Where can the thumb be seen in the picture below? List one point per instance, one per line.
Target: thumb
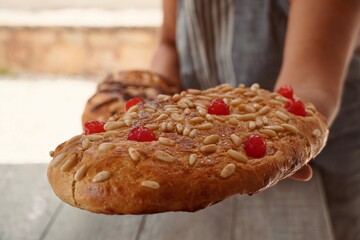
(303, 174)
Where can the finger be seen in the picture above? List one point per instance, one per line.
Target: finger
(303, 174)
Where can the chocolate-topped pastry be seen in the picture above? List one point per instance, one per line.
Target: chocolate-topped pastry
(113, 92)
(187, 151)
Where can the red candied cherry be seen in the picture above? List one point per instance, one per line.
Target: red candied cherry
(133, 102)
(296, 107)
(94, 126)
(255, 146)
(141, 134)
(218, 107)
(286, 91)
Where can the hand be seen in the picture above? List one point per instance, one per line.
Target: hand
(304, 174)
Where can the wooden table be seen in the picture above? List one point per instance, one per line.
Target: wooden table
(290, 210)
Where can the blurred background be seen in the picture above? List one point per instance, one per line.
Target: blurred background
(51, 55)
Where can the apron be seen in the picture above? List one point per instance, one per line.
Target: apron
(242, 41)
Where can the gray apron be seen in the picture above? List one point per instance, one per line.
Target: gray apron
(242, 41)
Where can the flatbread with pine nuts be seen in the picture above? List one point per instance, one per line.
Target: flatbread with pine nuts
(187, 151)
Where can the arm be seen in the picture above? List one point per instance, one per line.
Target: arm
(320, 39)
(165, 60)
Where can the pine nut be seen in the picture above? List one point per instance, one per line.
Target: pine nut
(177, 117)
(187, 111)
(170, 126)
(182, 104)
(69, 163)
(309, 113)
(162, 117)
(73, 139)
(250, 94)
(196, 120)
(179, 128)
(264, 110)
(254, 87)
(235, 139)
(128, 122)
(134, 154)
(246, 117)
(166, 141)
(228, 170)
(163, 156)
(172, 110)
(256, 106)
(249, 109)
(163, 97)
(202, 112)
(80, 173)
(221, 119)
(114, 125)
(106, 146)
(192, 159)
(58, 159)
(205, 126)
(51, 153)
(170, 106)
(107, 134)
(281, 99)
(101, 176)
(238, 156)
(152, 126)
(193, 133)
(149, 110)
(316, 133)
(257, 99)
(211, 139)
(186, 131)
(290, 128)
(134, 108)
(94, 137)
(281, 116)
(275, 102)
(148, 105)
(150, 184)
(233, 121)
(259, 123)
(265, 120)
(163, 126)
(209, 117)
(268, 132)
(235, 102)
(204, 98)
(176, 97)
(252, 125)
(211, 148)
(275, 128)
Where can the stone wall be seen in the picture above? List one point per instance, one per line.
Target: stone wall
(75, 51)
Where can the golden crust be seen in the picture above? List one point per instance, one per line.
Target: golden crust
(150, 185)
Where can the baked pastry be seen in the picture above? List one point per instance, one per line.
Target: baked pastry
(187, 151)
(113, 92)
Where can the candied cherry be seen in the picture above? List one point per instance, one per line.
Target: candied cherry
(141, 134)
(296, 107)
(286, 91)
(255, 146)
(94, 126)
(218, 107)
(133, 102)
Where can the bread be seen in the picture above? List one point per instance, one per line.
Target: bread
(198, 158)
(113, 92)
